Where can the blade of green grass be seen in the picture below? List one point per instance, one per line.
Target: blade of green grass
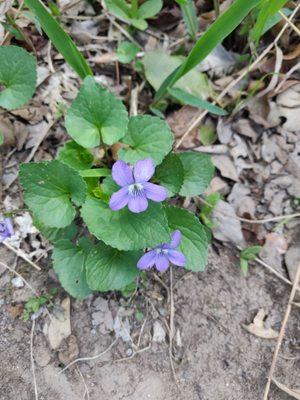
(190, 17)
(268, 9)
(61, 40)
(214, 35)
(194, 101)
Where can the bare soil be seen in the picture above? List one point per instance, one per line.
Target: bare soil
(217, 359)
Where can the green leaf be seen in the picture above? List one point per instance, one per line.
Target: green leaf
(109, 186)
(150, 8)
(111, 269)
(190, 99)
(56, 234)
(17, 76)
(250, 253)
(207, 209)
(188, 10)
(207, 134)
(146, 136)
(75, 156)
(120, 9)
(198, 172)
(49, 188)
(214, 35)
(123, 229)
(95, 115)
(268, 9)
(126, 52)
(95, 173)
(1, 138)
(60, 38)
(158, 65)
(170, 173)
(274, 19)
(194, 243)
(69, 264)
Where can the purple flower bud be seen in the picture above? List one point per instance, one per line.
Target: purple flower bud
(164, 254)
(6, 229)
(135, 186)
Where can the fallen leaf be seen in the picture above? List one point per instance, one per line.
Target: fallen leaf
(227, 226)
(224, 164)
(258, 329)
(71, 352)
(60, 325)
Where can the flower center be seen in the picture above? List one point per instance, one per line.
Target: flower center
(162, 251)
(135, 189)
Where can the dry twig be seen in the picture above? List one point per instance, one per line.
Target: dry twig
(22, 255)
(281, 333)
(32, 361)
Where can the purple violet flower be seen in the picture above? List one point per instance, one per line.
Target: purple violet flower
(135, 188)
(6, 229)
(164, 254)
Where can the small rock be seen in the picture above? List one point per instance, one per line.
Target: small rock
(17, 282)
(159, 334)
(122, 328)
(129, 352)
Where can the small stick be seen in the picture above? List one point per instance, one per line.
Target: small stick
(20, 276)
(281, 333)
(32, 361)
(86, 390)
(89, 358)
(292, 25)
(21, 254)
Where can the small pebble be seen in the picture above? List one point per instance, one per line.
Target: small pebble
(17, 282)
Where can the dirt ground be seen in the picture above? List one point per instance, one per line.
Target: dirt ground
(215, 357)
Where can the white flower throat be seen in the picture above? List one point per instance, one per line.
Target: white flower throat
(135, 189)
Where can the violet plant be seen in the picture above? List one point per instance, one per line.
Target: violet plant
(109, 219)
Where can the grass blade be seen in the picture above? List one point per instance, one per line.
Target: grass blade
(190, 17)
(268, 9)
(61, 40)
(194, 101)
(215, 34)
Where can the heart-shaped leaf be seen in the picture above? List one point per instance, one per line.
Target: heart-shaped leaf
(170, 173)
(195, 237)
(198, 172)
(146, 136)
(111, 269)
(69, 264)
(17, 76)
(96, 115)
(75, 156)
(49, 188)
(123, 229)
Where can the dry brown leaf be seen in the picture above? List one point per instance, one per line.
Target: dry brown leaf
(224, 164)
(258, 329)
(60, 326)
(292, 392)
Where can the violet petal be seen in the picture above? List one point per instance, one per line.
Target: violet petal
(147, 260)
(119, 199)
(176, 239)
(138, 203)
(176, 258)
(9, 226)
(154, 192)
(143, 170)
(162, 262)
(122, 173)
